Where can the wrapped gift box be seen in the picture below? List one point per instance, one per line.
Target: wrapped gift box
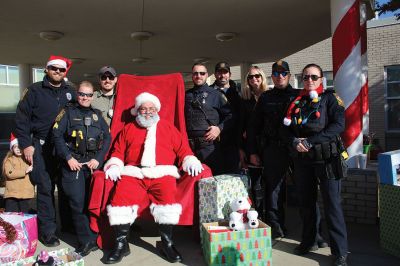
(26, 237)
(389, 211)
(216, 193)
(251, 247)
(63, 256)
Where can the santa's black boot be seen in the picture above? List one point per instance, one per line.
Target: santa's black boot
(121, 248)
(167, 247)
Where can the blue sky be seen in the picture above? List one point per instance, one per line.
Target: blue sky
(387, 14)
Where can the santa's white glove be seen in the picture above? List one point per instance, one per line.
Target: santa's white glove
(114, 173)
(192, 165)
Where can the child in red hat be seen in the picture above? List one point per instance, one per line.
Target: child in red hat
(19, 189)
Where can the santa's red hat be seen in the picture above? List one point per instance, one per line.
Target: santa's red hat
(56, 60)
(145, 97)
(13, 140)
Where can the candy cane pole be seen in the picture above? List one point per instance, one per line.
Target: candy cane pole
(364, 68)
(346, 51)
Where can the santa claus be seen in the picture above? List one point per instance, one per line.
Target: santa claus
(142, 163)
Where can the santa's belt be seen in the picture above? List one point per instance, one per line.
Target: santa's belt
(157, 171)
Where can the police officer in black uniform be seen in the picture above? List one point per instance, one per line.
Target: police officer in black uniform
(207, 114)
(267, 122)
(229, 138)
(35, 114)
(82, 138)
(316, 118)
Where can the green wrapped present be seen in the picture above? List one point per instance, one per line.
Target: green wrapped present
(63, 256)
(389, 211)
(223, 247)
(216, 193)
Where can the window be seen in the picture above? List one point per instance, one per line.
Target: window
(392, 85)
(9, 88)
(298, 80)
(9, 75)
(37, 74)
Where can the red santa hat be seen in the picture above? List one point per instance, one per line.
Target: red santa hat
(56, 60)
(13, 140)
(145, 97)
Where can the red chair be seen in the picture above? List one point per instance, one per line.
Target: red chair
(171, 92)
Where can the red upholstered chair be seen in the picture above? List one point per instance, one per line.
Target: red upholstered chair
(171, 92)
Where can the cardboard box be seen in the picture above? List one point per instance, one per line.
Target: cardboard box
(251, 247)
(216, 193)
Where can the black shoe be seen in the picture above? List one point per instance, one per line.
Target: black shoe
(322, 243)
(277, 232)
(340, 261)
(121, 248)
(49, 241)
(304, 249)
(167, 248)
(85, 249)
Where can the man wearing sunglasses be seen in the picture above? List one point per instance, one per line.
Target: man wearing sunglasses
(267, 121)
(81, 137)
(207, 114)
(229, 138)
(35, 114)
(104, 98)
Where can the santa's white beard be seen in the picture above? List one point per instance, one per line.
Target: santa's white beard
(146, 123)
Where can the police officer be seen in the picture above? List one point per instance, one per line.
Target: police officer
(81, 137)
(316, 118)
(207, 114)
(267, 122)
(35, 115)
(104, 98)
(229, 138)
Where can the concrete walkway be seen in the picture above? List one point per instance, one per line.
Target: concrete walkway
(363, 243)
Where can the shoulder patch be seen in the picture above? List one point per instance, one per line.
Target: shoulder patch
(24, 93)
(60, 115)
(339, 100)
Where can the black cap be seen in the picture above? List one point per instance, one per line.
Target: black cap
(222, 65)
(108, 69)
(280, 64)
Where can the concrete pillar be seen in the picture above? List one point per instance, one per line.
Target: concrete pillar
(25, 76)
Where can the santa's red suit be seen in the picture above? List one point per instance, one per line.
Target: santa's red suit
(147, 158)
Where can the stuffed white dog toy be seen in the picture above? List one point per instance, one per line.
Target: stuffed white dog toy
(241, 210)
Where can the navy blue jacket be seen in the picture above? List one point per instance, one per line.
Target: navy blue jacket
(38, 109)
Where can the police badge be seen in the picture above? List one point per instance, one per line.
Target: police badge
(69, 96)
(95, 117)
(204, 96)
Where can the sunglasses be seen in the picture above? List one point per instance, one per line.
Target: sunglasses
(277, 73)
(144, 110)
(199, 73)
(53, 68)
(104, 77)
(82, 94)
(313, 77)
(257, 76)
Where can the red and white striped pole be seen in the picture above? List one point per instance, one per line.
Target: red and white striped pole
(364, 68)
(346, 52)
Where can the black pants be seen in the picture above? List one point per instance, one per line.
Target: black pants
(230, 158)
(76, 189)
(17, 205)
(307, 186)
(43, 175)
(276, 164)
(210, 154)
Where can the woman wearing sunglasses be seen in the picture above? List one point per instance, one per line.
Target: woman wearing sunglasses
(315, 119)
(255, 85)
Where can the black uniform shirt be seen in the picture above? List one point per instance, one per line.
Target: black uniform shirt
(215, 106)
(267, 118)
(38, 108)
(72, 118)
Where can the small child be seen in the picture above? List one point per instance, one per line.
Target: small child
(19, 189)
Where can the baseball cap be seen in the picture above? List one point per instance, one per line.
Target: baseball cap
(280, 64)
(106, 69)
(222, 65)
